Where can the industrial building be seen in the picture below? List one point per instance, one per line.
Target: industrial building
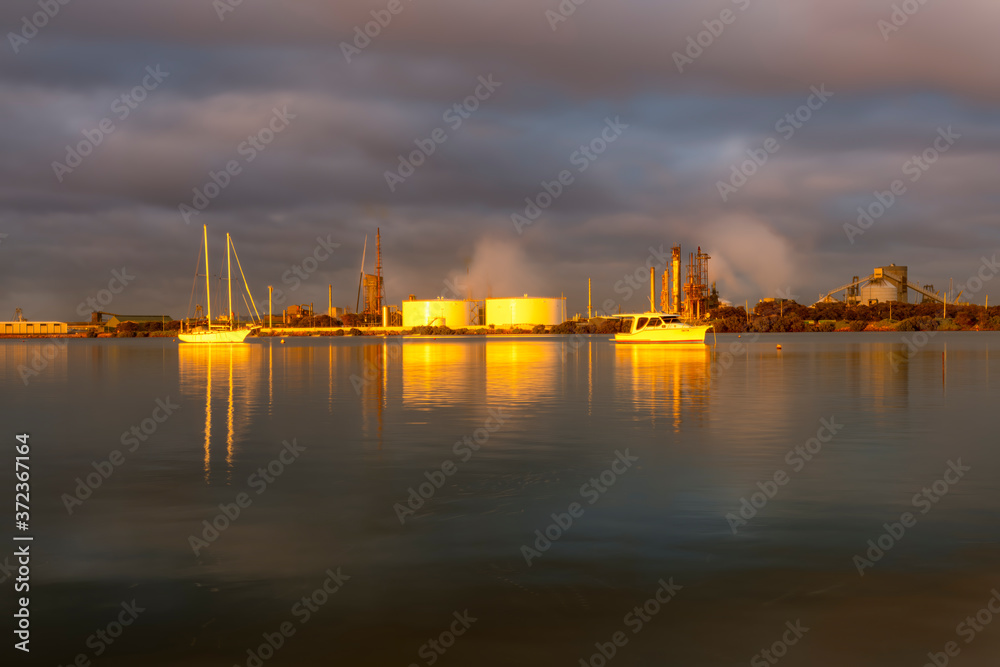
(25, 328)
(20, 326)
(525, 311)
(885, 284)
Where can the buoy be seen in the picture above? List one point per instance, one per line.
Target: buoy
(282, 340)
(779, 346)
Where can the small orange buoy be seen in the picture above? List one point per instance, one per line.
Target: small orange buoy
(779, 346)
(282, 340)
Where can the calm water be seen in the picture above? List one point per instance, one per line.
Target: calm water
(374, 419)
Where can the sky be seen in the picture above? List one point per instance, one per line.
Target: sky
(501, 148)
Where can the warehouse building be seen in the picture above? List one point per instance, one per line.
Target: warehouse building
(24, 328)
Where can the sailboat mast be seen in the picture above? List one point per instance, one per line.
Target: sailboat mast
(229, 281)
(208, 282)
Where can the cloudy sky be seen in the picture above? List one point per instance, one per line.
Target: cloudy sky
(752, 128)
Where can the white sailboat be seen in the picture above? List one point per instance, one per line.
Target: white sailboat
(226, 332)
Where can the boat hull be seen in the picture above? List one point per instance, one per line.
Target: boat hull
(694, 335)
(233, 336)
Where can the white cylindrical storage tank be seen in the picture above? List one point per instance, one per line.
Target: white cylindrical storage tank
(525, 311)
(436, 313)
(881, 291)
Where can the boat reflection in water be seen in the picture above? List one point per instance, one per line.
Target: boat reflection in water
(657, 380)
(220, 373)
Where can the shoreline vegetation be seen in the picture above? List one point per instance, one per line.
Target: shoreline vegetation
(766, 317)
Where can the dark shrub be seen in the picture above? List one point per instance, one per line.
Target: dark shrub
(857, 325)
(565, 328)
(610, 326)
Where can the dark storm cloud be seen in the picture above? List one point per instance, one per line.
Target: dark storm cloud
(654, 185)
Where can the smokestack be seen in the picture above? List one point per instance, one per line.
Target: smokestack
(329, 307)
(676, 257)
(652, 289)
(589, 314)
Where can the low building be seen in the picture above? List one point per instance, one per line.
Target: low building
(25, 328)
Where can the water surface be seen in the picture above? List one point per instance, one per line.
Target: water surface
(375, 418)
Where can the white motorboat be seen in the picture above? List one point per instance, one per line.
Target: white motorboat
(227, 330)
(653, 327)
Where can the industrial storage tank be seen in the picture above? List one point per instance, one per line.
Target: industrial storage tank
(450, 313)
(525, 311)
(878, 291)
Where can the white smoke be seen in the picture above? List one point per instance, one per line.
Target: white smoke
(749, 259)
(499, 269)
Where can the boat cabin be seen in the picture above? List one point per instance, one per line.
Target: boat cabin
(653, 321)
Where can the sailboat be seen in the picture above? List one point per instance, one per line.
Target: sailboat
(219, 333)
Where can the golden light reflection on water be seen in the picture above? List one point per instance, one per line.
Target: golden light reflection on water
(664, 380)
(519, 372)
(440, 373)
(33, 359)
(226, 369)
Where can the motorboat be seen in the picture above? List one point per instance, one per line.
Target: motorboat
(653, 327)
